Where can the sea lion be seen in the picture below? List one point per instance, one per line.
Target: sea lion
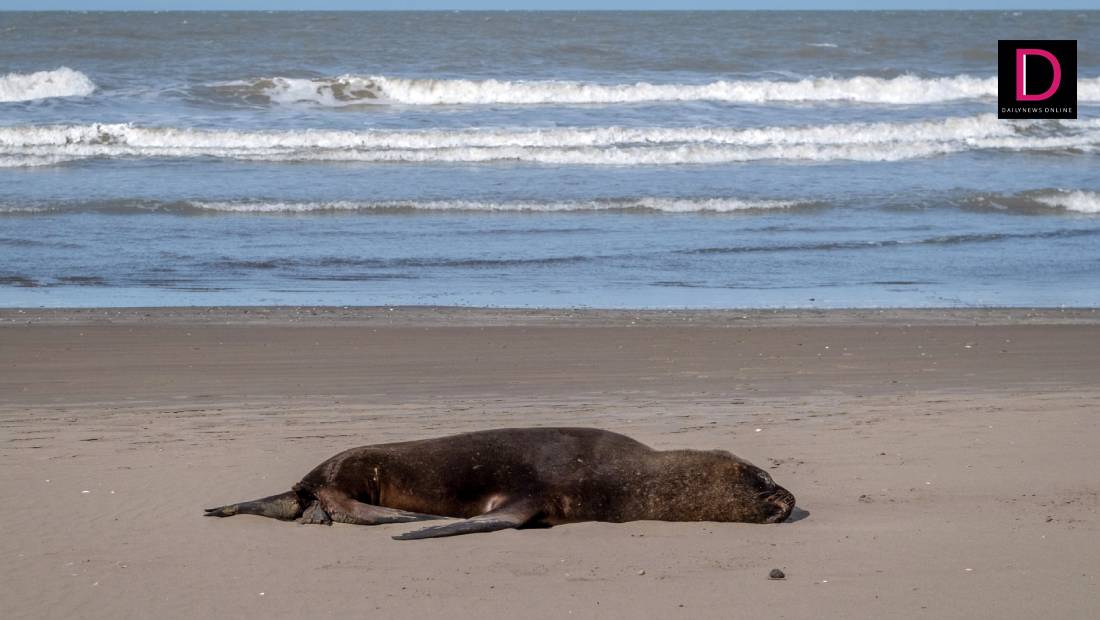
(525, 477)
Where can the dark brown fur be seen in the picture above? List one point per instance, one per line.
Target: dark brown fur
(525, 477)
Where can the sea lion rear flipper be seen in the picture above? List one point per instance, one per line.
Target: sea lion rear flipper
(284, 506)
(507, 516)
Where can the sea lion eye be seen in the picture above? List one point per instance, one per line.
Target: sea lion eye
(765, 478)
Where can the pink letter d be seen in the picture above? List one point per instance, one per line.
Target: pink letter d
(1021, 54)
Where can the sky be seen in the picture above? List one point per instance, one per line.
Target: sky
(91, 5)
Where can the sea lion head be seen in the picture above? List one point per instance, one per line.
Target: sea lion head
(761, 499)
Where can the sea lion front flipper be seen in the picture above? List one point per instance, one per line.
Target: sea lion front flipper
(344, 509)
(508, 516)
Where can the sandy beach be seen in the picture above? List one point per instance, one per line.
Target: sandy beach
(944, 461)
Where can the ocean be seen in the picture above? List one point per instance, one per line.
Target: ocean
(531, 159)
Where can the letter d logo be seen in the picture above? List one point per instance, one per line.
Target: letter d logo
(1021, 74)
(1036, 78)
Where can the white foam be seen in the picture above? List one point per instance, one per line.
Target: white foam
(344, 90)
(1080, 201)
(358, 90)
(1069, 200)
(31, 161)
(1088, 91)
(622, 146)
(62, 82)
(667, 205)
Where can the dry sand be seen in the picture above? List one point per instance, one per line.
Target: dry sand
(947, 460)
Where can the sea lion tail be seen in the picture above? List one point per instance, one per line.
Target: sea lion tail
(286, 506)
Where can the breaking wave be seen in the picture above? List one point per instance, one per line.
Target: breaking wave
(1082, 202)
(645, 204)
(347, 90)
(1037, 202)
(61, 82)
(623, 146)
(655, 204)
(1032, 202)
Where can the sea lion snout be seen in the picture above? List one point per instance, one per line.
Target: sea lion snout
(770, 502)
(782, 502)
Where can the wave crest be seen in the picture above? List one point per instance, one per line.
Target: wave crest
(1038, 202)
(1047, 201)
(1079, 201)
(349, 89)
(621, 146)
(638, 204)
(655, 204)
(61, 82)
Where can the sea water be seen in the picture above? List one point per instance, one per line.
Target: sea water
(666, 159)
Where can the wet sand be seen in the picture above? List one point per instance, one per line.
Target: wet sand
(944, 461)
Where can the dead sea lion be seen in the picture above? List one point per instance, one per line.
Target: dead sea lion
(525, 477)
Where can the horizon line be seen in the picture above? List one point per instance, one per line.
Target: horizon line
(650, 10)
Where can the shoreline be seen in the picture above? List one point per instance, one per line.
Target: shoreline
(488, 316)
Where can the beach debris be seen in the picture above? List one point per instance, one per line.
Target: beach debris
(85, 492)
(641, 572)
(776, 574)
